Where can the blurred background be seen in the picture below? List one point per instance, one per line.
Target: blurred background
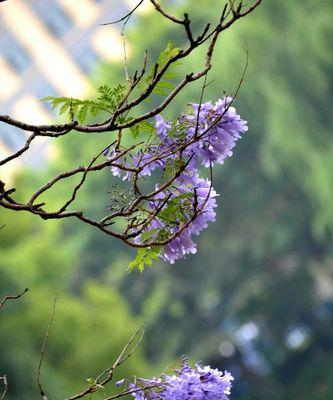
(257, 299)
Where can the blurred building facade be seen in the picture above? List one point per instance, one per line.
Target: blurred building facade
(49, 48)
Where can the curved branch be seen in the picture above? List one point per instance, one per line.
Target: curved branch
(11, 297)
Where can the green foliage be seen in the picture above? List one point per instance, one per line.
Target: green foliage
(120, 197)
(169, 52)
(145, 128)
(93, 383)
(145, 258)
(92, 321)
(166, 84)
(178, 209)
(179, 129)
(172, 166)
(81, 110)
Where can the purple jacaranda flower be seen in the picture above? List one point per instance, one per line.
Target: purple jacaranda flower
(217, 128)
(202, 212)
(121, 382)
(196, 201)
(198, 383)
(206, 136)
(179, 247)
(211, 133)
(144, 161)
(162, 127)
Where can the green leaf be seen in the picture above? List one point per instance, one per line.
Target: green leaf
(82, 114)
(172, 166)
(145, 257)
(165, 85)
(110, 97)
(177, 209)
(166, 54)
(91, 381)
(142, 127)
(78, 109)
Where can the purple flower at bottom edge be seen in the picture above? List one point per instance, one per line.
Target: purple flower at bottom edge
(198, 383)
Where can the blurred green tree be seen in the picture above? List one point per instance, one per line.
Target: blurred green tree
(92, 323)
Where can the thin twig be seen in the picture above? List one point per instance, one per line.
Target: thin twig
(110, 371)
(122, 33)
(126, 16)
(199, 105)
(42, 353)
(131, 391)
(19, 152)
(165, 14)
(79, 185)
(5, 384)
(10, 297)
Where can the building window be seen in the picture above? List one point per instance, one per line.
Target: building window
(12, 137)
(14, 53)
(43, 89)
(54, 17)
(86, 58)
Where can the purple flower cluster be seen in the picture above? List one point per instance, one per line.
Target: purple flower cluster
(196, 211)
(217, 127)
(204, 137)
(211, 132)
(198, 383)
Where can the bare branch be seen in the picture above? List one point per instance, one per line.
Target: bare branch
(19, 152)
(131, 391)
(165, 14)
(126, 16)
(77, 187)
(37, 128)
(75, 171)
(11, 297)
(124, 355)
(42, 353)
(5, 384)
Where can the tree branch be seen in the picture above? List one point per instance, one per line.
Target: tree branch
(11, 297)
(5, 384)
(42, 353)
(124, 355)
